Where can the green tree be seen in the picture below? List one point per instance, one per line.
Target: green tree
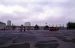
(36, 27)
(70, 25)
(46, 27)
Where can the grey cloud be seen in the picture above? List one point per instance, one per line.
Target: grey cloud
(37, 8)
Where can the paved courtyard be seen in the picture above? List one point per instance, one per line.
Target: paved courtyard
(61, 37)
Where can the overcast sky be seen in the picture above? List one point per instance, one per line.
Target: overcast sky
(37, 11)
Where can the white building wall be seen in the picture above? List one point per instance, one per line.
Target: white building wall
(9, 23)
(27, 24)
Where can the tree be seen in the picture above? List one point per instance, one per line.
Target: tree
(36, 27)
(70, 25)
(46, 27)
